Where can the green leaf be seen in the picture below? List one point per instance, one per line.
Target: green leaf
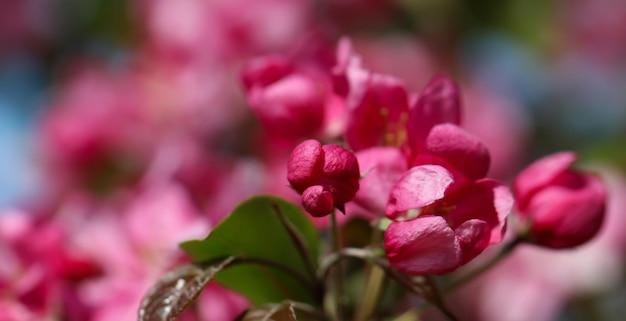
(176, 291)
(254, 229)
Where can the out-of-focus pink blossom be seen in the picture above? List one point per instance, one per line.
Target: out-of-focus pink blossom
(501, 124)
(222, 30)
(563, 207)
(292, 101)
(134, 246)
(404, 57)
(78, 140)
(35, 274)
(595, 28)
(327, 176)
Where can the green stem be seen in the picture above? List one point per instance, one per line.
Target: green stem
(371, 294)
(338, 286)
(373, 287)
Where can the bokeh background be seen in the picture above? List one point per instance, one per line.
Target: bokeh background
(115, 114)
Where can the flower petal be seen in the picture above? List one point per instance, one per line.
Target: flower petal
(487, 200)
(565, 215)
(539, 174)
(305, 161)
(455, 148)
(419, 187)
(317, 201)
(379, 117)
(438, 103)
(426, 245)
(473, 236)
(381, 167)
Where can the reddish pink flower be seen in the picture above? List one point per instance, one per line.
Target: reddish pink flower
(381, 168)
(327, 176)
(290, 102)
(447, 212)
(444, 226)
(379, 115)
(563, 207)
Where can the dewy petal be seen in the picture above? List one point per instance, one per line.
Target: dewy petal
(426, 245)
(474, 237)
(539, 174)
(438, 103)
(458, 148)
(305, 161)
(419, 187)
(381, 168)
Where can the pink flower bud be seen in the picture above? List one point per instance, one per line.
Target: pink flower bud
(326, 176)
(317, 201)
(563, 207)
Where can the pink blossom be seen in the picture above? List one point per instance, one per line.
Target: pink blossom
(327, 176)
(438, 103)
(499, 121)
(379, 115)
(563, 207)
(222, 31)
(35, 276)
(135, 245)
(404, 56)
(460, 222)
(445, 198)
(291, 100)
(545, 279)
(381, 168)
(457, 150)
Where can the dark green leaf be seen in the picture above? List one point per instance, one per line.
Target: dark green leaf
(254, 229)
(176, 291)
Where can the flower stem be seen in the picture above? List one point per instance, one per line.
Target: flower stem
(505, 252)
(338, 286)
(373, 287)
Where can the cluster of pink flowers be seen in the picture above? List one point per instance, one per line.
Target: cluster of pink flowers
(158, 148)
(424, 172)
